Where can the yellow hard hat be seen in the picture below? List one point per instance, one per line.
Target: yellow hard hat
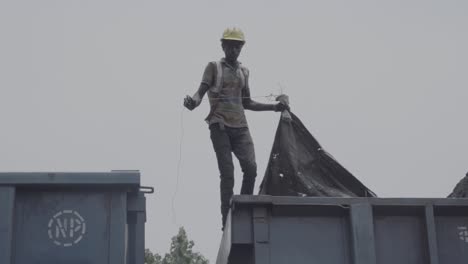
(233, 34)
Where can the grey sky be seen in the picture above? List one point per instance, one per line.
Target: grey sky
(98, 85)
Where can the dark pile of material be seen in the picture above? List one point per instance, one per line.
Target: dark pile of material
(461, 189)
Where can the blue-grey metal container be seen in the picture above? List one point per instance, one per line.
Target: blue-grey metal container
(72, 218)
(294, 230)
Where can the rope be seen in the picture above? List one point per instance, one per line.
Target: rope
(179, 165)
(270, 97)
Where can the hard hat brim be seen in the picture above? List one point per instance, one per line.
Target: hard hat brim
(235, 39)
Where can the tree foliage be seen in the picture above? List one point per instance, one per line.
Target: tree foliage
(181, 252)
(151, 258)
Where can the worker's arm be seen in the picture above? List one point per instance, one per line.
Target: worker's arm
(250, 104)
(194, 101)
(207, 81)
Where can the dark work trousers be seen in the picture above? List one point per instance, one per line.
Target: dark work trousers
(228, 140)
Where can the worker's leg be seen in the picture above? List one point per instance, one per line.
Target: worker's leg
(243, 148)
(222, 147)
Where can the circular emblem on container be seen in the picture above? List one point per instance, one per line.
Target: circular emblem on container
(67, 228)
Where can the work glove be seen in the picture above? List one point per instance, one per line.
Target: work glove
(189, 103)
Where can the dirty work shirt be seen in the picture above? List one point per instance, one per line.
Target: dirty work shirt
(226, 106)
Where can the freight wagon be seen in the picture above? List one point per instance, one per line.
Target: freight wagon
(316, 230)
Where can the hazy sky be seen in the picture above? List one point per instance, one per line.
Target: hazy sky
(95, 85)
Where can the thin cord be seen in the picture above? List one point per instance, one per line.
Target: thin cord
(174, 214)
(280, 87)
(270, 97)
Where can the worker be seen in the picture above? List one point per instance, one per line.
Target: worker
(227, 84)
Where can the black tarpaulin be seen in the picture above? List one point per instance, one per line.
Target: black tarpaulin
(299, 166)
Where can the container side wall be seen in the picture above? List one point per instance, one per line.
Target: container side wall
(136, 219)
(298, 240)
(452, 235)
(401, 239)
(363, 241)
(7, 201)
(118, 220)
(62, 227)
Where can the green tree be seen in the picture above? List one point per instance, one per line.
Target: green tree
(181, 252)
(151, 258)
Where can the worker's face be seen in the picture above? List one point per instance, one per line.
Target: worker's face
(232, 49)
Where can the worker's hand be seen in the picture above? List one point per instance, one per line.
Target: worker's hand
(189, 103)
(280, 107)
